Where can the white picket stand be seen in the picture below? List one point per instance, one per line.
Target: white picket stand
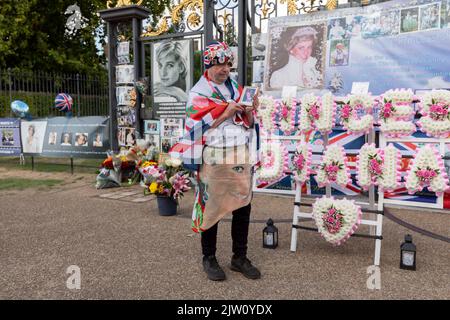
(377, 224)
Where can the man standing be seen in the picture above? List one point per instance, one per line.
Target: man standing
(217, 146)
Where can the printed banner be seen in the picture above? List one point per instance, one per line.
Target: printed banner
(86, 137)
(10, 137)
(330, 50)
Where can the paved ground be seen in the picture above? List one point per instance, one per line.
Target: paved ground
(127, 251)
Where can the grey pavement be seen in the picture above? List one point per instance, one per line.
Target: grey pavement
(125, 250)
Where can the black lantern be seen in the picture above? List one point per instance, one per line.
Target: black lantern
(408, 254)
(270, 235)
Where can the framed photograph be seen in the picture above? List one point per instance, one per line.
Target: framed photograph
(151, 126)
(430, 16)
(124, 74)
(123, 95)
(171, 128)
(258, 71)
(247, 96)
(167, 144)
(121, 136)
(339, 52)
(172, 71)
(295, 48)
(409, 20)
(123, 49)
(154, 140)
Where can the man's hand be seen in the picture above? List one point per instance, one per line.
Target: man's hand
(254, 106)
(231, 109)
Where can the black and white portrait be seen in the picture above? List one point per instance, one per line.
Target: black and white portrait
(171, 71)
(258, 71)
(124, 74)
(296, 57)
(259, 44)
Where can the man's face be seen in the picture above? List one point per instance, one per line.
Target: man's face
(302, 51)
(169, 70)
(219, 72)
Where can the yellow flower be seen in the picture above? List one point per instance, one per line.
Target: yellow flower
(161, 189)
(153, 187)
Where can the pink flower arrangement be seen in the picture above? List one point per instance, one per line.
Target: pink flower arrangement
(426, 175)
(375, 166)
(333, 220)
(314, 112)
(332, 169)
(299, 161)
(438, 111)
(387, 110)
(180, 184)
(346, 112)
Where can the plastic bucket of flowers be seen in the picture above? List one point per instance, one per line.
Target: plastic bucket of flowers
(167, 182)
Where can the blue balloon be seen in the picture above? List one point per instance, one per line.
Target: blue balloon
(20, 108)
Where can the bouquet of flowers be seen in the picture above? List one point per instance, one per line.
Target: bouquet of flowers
(166, 180)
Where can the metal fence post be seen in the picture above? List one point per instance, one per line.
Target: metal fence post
(10, 90)
(78, 94)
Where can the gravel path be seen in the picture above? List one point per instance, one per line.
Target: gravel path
(127, 251)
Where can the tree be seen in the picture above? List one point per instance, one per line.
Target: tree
(32, 35)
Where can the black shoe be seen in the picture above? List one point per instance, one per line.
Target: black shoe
(212, 268)
(243, 265)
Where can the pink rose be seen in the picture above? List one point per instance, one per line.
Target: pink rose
(284, 112)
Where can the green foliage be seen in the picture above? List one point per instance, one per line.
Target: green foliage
(32, 35)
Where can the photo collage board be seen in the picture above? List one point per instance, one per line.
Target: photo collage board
(163, 134)
(330, 50)
(125, 97)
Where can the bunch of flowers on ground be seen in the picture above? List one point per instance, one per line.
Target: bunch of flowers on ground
(167, 179)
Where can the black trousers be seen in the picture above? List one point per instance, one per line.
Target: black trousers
(239, 233)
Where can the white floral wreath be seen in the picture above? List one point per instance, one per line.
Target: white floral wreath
(379, 167)
(317, 113)
(427, 170)
(267, 107)
(333, 167)
(274, 162)
(302, 162)
(286, 117)
(435, 110)
(349, 113)
(336, 220)
(396, 111)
